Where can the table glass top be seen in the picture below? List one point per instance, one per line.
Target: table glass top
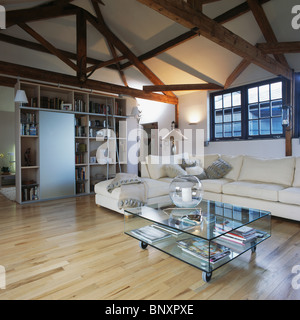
(201, 221)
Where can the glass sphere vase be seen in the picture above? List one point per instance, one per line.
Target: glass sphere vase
(186, 191)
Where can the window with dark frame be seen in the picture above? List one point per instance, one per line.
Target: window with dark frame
(249, 112)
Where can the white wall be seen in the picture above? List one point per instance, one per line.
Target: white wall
(195, 107)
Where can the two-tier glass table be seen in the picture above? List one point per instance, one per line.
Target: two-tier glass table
(206, 237)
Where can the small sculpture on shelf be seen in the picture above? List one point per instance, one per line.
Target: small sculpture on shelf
(27, 157)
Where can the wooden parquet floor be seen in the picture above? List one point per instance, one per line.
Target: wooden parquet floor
(72, 249)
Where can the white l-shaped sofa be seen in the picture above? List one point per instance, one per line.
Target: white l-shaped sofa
(266, 184)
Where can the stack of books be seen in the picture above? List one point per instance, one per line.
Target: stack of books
(241, 236)
(210, 252)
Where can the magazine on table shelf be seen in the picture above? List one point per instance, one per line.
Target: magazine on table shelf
(241, 236)
(212, 252)
(150, 234)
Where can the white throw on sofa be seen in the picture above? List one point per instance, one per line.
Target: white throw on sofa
(265, 184)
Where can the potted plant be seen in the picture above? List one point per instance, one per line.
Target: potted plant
(4, 168)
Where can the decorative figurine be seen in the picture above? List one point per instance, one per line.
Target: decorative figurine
(27, 157)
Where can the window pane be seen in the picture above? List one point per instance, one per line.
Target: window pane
(277, 126)
(264, 110)
(219, 116)
(219, 131)
(265, 127)
(236, 98)
(276, 90)
(253, 111)
(253, 95)
(237, 129)
(227, 100)
(264, 93)
(237, 114)
(277, 109)
(227, 130)
(227, 115)
(218, 102)
(253, 128)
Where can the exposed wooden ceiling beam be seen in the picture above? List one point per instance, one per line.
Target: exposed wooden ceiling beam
(38, 13)
(70, 55)
(103, 64)
(81, 41)
(110, 45)
(182, 13)
(59, 78)
(193, 33)
(269, 35)
(164, 47)
(104, 30)
(236, 12)
(183, 87)
(243, 65)
(196, 4)
(7, 82)
(280, 47)
(48, 45)
(265, 27)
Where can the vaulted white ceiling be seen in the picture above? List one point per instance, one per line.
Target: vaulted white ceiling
(196, 61)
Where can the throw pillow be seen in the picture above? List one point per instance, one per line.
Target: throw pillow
(194, 170)
(174, 170)
(218, 169)
(188, 163)
(202, 176)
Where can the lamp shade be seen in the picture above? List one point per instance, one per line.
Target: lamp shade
(21, 97)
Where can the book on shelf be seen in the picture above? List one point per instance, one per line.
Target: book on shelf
(30, 192)
(118, 109)
(80, 187)
(28, 129)
(79, 105)
(32, 102)
(80, 174)
(150, 234)
(210, 252)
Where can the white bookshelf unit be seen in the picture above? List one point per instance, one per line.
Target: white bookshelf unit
(93, 113)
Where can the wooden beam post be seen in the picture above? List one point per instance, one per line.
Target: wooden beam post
(81, 37)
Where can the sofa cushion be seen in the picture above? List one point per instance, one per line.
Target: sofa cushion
(214, 185)
(297, 173)
(277, 171)
(253, 190)
(290, 196)
(236, 164)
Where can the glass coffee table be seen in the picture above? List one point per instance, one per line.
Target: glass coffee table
(206, 237)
